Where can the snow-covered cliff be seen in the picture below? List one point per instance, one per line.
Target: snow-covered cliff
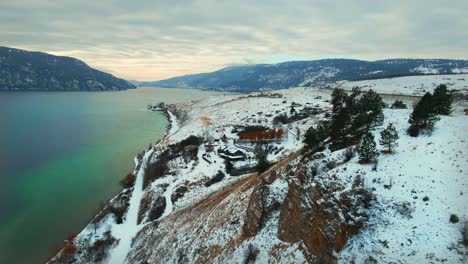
(316, 207)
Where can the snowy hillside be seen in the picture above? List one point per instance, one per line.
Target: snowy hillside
(417, 190)
(323, 73)
(411, 85)
(188, 205)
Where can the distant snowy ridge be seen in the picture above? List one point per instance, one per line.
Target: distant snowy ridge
(319, 73)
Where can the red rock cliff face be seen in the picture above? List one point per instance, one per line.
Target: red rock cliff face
(255, 215)
(259, 205)
(311, 213)
(306, 215)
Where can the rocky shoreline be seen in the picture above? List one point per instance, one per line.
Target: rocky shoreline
(115, 210)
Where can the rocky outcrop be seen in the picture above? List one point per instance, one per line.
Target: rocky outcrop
(152, 206)
(255, 215)
(319, 212)
(157, 210)
(261, 203)
(309, 216)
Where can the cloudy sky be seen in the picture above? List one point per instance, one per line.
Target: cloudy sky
(157, 39)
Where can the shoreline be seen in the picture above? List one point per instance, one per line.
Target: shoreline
(142, 158)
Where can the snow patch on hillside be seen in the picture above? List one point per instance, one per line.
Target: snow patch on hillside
(411, 85)
(322, 75)
(425, 70)
(458, 71)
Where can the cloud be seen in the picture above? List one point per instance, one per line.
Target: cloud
(151, 40)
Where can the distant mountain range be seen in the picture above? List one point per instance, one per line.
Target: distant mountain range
(22, 70)
(309, 73)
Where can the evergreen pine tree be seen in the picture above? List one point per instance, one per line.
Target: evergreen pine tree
(262, 161)
(442, 100)
(340, 129)
(229, 166)
(423, 115)
(315, 135)
(339, 98)
(341, 119)
(388, 137)
(367, 150)
(370, 110)
(262, 164)
(352, 100)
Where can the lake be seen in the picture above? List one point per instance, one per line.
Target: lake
(62, 154)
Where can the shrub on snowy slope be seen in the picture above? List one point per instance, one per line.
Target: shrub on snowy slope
(217, 178)
(398, 104)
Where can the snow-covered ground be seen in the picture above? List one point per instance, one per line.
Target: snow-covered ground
(427, 180)
(416, 189)
(218, 115)
(433, 166)
(411, 85)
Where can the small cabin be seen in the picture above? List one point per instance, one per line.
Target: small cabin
(232, 155)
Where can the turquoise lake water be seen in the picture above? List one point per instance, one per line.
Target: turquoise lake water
(62, 154)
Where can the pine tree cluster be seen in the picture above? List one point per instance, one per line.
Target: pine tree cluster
(353, 115)
(316, 135)
(424, 115)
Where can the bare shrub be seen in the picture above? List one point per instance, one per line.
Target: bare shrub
(454, 218)
(398, 104)
(100, 247)
(358, 182)
(367, 197)
(405, 209)
(413, 131)
(280, 119)
(70, 247)
(331, 164)
(128, 181)
(181, 115)
(349, 153)
(251, 254)
(464, 232)
(118, 212)
(314, 171)
(217, 178)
